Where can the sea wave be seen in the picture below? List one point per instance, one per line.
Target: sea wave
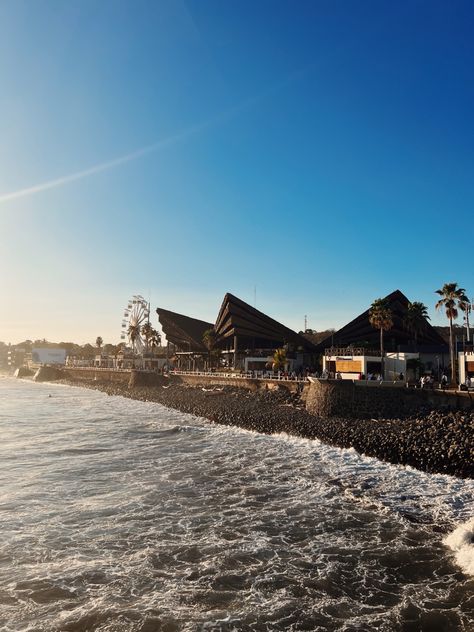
(461, 541)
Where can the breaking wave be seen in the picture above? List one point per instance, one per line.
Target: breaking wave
(461, 541)
(123, 515)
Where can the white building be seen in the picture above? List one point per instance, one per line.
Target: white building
(352, 363)
(465, 365)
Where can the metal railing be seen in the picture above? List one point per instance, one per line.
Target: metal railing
(351, 351)
(253, 375)
(97, 368)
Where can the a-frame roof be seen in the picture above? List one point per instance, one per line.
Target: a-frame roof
(360, 331)
(237, 318)
(183, 331)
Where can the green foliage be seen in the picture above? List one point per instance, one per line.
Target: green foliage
(380, 315)
(279, 359)
(416, 318)
(452, 299)
(209, 339)
(151, 335)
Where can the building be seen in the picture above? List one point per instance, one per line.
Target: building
(355, 348)
(185, 335)
(465, 365)
(248, 338)
(245, 338)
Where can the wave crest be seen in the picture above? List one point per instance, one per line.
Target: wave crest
(461, 541)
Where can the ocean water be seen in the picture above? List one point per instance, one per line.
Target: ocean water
(117, 515)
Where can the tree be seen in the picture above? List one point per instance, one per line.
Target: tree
(133, 333)
(155, 339)
(452, 299)
(147, 332)
(99, 342)
(209, 339)
(380, 317)
(279, 359)
(415, 319)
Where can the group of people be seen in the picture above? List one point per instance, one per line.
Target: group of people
(427, 381)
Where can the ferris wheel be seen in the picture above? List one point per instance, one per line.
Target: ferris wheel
(135, 315)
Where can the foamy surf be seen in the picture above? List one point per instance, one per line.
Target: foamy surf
(461, 541)
(125, 515)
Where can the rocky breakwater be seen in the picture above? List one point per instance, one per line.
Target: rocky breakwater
(47, 374)
(433, 441)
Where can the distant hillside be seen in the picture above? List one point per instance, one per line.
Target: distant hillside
(316, 336)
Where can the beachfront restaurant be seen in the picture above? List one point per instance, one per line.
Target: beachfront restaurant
(354, 349)
(248, 338)
(245, 339)
(185, 340)
(354, 363)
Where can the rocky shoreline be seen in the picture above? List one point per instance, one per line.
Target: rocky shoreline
(432, 441)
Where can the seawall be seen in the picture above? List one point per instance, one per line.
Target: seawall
(361, 400)
(134, 378)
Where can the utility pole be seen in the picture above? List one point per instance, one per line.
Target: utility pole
(467, 310)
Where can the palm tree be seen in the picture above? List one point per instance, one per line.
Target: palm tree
(147, 332)
(133, 333)
(209, 339)
(415, 319)
(380, 317)
(452, 299)
(279, 359)
(155, 339)
(99, 342)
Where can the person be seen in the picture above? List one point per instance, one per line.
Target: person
(400, 377)
(444, 381)
(369, 376)
(338, 376)
(468, 382)
(422, 381)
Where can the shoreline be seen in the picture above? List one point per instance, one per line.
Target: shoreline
(431, 441)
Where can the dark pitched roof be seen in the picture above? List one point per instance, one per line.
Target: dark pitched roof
(360, 330)
(237, 318)
(183, 331)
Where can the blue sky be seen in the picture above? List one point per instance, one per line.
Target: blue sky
(320, 151)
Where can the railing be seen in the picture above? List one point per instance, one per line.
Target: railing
(351, 351)
(242, 376)
(97, 368)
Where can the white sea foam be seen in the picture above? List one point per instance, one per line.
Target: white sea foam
(124, 515)
(461, 541)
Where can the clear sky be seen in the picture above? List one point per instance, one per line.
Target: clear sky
(321, 151)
